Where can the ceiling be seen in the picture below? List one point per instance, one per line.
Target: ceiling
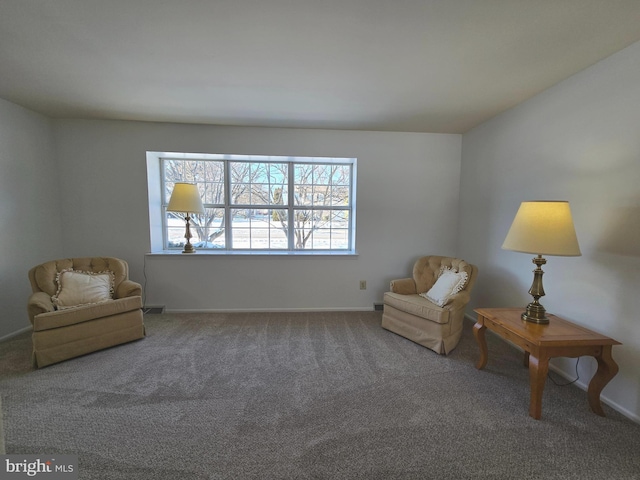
(441, 66)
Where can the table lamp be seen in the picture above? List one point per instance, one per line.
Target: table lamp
(185, 198)
(542, 228)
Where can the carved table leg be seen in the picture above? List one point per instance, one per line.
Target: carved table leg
(538, 369)
(607, 369)
(478, 331)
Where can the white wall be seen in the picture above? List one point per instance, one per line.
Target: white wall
(408, 191)
(578, 141)
(29, 208)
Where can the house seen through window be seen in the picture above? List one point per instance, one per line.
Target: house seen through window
(263, 202)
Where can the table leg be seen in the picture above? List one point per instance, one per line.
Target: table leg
(607, 369)
(478, 331)
(538, 369)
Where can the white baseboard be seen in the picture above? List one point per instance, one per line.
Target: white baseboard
(15, 334)
(271, 310)
(603, 398)
(617, 407)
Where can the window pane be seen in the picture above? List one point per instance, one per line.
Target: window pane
(175, 237)
(278, 173)
(168, 188)
(259, 229)
(302, 188)
(173, 170)
(278, 228)
(341, 175)
(322, 219)
(260, 194)
(241, 194)
(322, 239)
(240, 172)
(303, 174)
(340, 196)
(193, 171)
(279, 195)
(321, 195)
(322, 229)
(213, 193)
(322, 174)
(214, 186)
(340, 229)
(340, 219)
(259, 172)
(303, 194)
(259, 237)
(209, 229)
(240, 229)
(340, 239)
(303, 228)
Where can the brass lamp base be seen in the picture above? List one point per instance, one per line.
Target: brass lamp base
(535, 313)
(188, 248)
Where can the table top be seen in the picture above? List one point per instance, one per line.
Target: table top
(557, 332)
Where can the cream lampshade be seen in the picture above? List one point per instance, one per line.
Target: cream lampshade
(185, 198)
(542, 228)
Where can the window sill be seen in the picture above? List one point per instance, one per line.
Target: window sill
(253, 253)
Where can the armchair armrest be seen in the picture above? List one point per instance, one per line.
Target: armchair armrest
(38, 303)
(128, 288)
(403, 286)
(458, 301)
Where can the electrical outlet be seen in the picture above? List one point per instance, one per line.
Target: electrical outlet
(363, 284)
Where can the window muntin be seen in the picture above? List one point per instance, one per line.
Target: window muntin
(251, 202)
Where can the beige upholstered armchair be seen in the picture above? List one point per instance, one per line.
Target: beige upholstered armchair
(80, 305)
(429, 307)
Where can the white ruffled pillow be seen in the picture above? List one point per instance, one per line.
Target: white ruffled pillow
(449, 283)
(76, 287)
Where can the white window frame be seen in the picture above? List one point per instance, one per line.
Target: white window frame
(158, 200)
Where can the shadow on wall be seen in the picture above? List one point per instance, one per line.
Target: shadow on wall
(618, 251)
(627, 358)
(500, 288)
(621, 232)
(618, 254)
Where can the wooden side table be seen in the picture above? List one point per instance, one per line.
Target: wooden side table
(540, 342)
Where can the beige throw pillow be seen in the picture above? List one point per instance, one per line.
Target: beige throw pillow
(449, 283)
(76, 288)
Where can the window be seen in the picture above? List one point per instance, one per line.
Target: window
(262, 203)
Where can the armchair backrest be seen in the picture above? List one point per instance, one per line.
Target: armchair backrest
(427, 269)
(43, 277)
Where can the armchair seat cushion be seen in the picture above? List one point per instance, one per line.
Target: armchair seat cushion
(84, 313)
(418, 306)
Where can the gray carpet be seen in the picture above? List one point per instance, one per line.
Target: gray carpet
(303, 396)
